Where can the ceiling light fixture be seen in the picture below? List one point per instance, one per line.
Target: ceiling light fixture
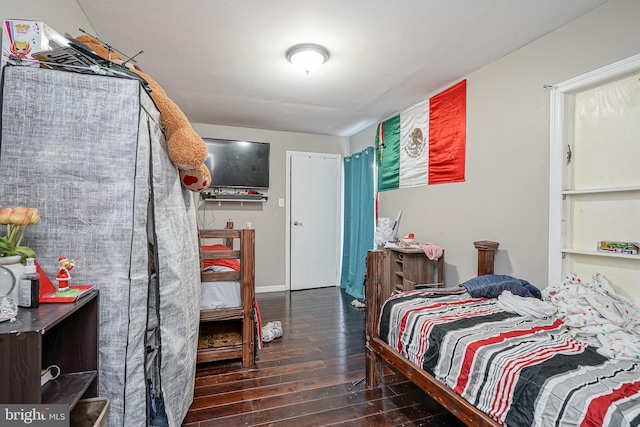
(307, 56)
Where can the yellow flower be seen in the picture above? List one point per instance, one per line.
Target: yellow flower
(17, 220)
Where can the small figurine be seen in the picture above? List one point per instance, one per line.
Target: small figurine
(21, 49)
(63, 275)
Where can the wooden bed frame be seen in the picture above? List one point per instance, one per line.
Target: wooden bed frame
(377, 290)
(232, 331)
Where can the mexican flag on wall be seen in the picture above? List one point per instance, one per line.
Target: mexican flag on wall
(424, 144)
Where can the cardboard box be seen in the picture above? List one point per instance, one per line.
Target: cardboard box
(91, 412)
(632, 248)
(22, 39)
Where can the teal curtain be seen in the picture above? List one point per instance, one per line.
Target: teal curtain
(359, 222)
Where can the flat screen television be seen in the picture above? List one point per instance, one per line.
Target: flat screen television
(238, 164)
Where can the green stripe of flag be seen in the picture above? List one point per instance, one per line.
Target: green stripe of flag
(388, 150)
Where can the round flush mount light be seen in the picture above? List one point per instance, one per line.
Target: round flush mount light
(307, 56)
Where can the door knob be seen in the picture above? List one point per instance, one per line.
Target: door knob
(297, 223)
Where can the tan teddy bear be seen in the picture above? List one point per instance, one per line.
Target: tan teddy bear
(187, 150)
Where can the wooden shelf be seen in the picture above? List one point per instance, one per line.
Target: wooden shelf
(61, 334)
(222, 353)
(220, 341)
(217, 314)
(221, 199)
(601, 190)
(599, 253)
(68, 388)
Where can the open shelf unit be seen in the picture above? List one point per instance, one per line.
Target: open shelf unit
(61, 334)
(594, 187)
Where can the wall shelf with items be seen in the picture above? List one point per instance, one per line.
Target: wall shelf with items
(221, 200)
(596, 215)
(601, 190)
(240, 198)
(594, 187)
(598, 253)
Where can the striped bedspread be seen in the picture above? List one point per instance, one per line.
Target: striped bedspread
(520, 370)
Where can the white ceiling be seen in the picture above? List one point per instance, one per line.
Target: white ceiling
(223, 61)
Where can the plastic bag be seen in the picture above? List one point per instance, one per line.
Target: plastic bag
(384, 232)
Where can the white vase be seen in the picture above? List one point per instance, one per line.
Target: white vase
(13, 264)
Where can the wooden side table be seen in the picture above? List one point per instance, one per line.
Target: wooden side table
(408, 268)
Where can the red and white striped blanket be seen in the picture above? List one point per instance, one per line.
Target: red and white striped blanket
(520, 370)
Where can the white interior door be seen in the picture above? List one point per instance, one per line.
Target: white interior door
(314, 220)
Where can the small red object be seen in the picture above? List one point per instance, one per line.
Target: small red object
(48, 291)
(63, 279)
(63, 275)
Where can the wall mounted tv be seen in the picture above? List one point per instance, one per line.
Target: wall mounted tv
(238, 164)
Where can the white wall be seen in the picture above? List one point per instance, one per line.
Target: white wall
(268, 219)
(64, 16)
(505, 196)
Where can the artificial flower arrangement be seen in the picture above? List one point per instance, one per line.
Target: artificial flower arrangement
(17, 220)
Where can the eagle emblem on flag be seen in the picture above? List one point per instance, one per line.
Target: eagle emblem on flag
(416, 144)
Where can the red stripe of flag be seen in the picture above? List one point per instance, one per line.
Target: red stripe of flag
(447, 134)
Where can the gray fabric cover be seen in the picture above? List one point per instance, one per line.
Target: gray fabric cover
(84, 149)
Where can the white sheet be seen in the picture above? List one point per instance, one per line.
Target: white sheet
(223, 294)
(596, 314)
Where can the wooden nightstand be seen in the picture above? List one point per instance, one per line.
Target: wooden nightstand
(408, 267)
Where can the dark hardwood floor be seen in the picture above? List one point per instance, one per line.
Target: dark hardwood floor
(311, 376)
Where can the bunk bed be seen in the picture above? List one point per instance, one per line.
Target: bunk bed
(227, 314)
(490, 366)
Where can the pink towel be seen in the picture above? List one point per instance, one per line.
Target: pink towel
(431, 250)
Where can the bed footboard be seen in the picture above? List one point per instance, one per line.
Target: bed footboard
(377, 351)
(375, 295)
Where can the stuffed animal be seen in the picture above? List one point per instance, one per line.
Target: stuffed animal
(187, 150)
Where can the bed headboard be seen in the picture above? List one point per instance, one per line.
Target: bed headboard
(244, 252)
(486, 256)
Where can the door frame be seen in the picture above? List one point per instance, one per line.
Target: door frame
(339, 214)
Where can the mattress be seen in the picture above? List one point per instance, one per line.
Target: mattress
(521, 370)
(222, 294)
